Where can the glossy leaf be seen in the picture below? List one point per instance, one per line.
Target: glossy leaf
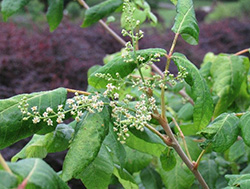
(203, 108)
(185, 22)
(222, 132)
(7, 180)
(141, 145)
(10, 7)
(40, 145)
(86, 144)
(41, 174)
(150, 178)
(118, 65)
(116, 149)
(99, 172)
(245, 128)
(125, 178)
(99, 11)
(12, 126)
(180, 177)
(135, 160)
(54, 13)
(228, 73)
(209, 171)
(168, 160)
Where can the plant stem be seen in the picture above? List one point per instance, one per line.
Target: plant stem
(4, 164)
(242, 52)
(183, 138)
(182, 154)
(77, 91)
(199, 159)
(156, 132)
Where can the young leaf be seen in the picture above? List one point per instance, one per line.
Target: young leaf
(88, 140)
(186, 23)
(203, 108)
(41, 174)
(222, 132)
(168, 160)
(125, 178)
(54, 13)
(12, 126)
(135, 160)
(150, 178)
(40, 145)
(99, 11)
(245, 128)
(10, 7)
(209, 171)
(118, 65)
(228, 73)
(99, 172)
(141, 145)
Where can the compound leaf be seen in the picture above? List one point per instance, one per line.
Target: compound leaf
(12, 126)
(203, 107)
(99, 11)
(186, 23)
(118, 65)
(99, 172)
(40, 145)
(41, 174)
(54, 13)
(87, 142)
(228, 73)
(222, 132)
(10, 7)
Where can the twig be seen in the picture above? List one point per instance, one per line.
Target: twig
(199, 159)
(183, 138)
(242, 52)
(4, 164)
(156, 132)
(77, 91)
(239, 114)
(181, 153)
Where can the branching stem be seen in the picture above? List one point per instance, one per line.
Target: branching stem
(4, 164)
(199, 159)
(183, 138)
(77, 91)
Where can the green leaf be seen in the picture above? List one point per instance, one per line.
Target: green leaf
(116, 149)
(99, 172)
(186, 112)
(87, 142)
(237, 150)
(209, 171)
(10, 7)
(12, 126)
(141, 145)
(7, 180)
(203, 108)
(99, 11)
(228, 73)
(222, 132)
(168, 160)
(239, 180)
(54, 13)
(125, 178)
(245, 128)
(186, 23)
(180, 177)
(118, 65)
(41, 174)
(40, 145)
(135, 160)
(193, 147)
(150, 178)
